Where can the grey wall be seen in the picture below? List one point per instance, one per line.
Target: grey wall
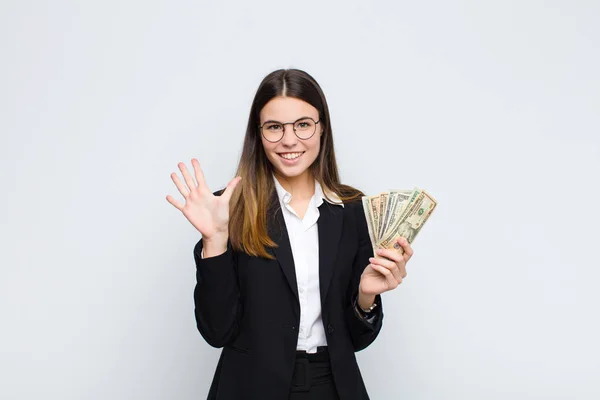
(491, 106)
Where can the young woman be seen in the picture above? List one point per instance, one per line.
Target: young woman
(286, 280)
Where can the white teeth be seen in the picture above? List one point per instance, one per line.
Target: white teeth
(290, 156)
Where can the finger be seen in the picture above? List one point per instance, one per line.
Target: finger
(389, 254)
(390, 280)
(180, 186)
(175, 203)
(399, 249)
(408, 251)
(396, 268)
(199, 175)
(382, 270)
(384, 262)
(231, 187)
(186, 175)
(398, 258)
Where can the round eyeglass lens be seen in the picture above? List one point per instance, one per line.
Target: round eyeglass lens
(305, 128)
(272, 131)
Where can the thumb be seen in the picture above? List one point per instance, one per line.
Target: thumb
(231, 187)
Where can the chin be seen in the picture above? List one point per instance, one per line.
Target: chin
(290, 172)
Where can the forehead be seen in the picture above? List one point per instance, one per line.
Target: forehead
(287, 109)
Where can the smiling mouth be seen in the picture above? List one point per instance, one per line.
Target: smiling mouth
(291, 156)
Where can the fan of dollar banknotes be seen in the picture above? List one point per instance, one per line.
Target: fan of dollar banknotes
(397, 213)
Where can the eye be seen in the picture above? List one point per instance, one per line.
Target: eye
(305, 124)
(273, 127)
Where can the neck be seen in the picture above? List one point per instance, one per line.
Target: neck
(300, 187)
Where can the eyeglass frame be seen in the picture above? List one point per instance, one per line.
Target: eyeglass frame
(293, 128)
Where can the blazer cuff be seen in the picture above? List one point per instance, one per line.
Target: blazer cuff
(210, 267)
(199, 250)
(369, 318)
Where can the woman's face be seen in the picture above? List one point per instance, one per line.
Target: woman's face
(291, 156)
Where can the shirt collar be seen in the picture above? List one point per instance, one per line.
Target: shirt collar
(319, 196)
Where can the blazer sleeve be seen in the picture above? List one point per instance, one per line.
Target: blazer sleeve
(217, 296)
(362, 332)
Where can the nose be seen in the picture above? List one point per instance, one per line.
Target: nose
(289, 137)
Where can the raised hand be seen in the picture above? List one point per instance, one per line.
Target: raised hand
(208, 213)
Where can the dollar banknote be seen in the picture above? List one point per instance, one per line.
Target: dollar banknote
(403, 215)
(369, 215)
(383, 204)
(372, 205)
(397, 201)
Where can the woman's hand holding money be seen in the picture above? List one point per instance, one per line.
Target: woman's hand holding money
(384, 273)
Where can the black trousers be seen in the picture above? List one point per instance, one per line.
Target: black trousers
(313, 379)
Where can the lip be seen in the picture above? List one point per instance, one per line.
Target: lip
(291, 162)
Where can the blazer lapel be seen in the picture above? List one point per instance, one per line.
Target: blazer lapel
(330, 231)
(283, 252)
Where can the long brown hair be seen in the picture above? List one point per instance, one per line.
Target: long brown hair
(251, 199)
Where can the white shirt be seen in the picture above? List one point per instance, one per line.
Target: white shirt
(304, 241)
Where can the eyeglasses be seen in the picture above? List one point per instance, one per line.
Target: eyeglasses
(304, 128)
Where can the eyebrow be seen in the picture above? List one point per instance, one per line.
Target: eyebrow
(274, 120)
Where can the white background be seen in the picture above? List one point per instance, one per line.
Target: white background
(492, 106)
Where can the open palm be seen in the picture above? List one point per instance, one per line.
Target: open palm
(208, 213)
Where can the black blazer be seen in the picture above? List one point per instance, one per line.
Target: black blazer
(249, 306)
